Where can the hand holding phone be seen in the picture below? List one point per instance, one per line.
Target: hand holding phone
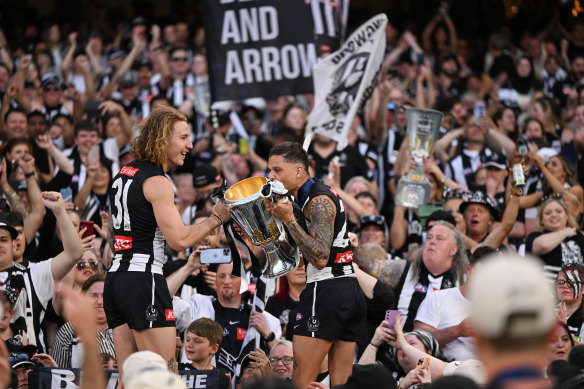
(424, 362)
(89, 225)
(220, 255)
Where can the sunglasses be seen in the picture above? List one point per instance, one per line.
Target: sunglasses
(285, 360)
(179, 59)
(49, 89)
(15, 358)
(82, 265)
(557, 196)
(376, 219)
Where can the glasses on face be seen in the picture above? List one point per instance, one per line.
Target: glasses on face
(51, 89)
(14, 358)
(179, 59)
(82, 265)
(565, 283)
(285, 360)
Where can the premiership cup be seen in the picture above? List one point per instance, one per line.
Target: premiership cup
(246, 199)
(422, 129)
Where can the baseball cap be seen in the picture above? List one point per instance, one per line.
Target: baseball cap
(140, 362)
(128, 78)
(21, 359)
(11, 230)
(496, 160)
(471, 368)
(51, 78)
(479, 197)
(369, 376)
(155, 379)
(205, 174)
(116, 52)
(511, 298)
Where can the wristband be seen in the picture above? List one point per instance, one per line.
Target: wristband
(270, 337)
(28, 175)
(217, 216)
(371, 343)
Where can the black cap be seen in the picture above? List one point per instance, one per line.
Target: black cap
(479, 197)
(51, 78)
(204, 175)
(10, 229)
(497, 160)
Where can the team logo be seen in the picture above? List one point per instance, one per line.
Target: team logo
(128, 171)
(123, 243)
(345, 257)
(225, 332)
(298, 316)
(313, 324)
(169, 314)
(447, 284)
(421, 288)
(151, 313)
(241, 333)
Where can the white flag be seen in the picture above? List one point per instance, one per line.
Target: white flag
(345, 79)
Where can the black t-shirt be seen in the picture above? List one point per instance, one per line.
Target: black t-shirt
(224, 381)
(279, 310)
(235, 322)
(351, 163)
(569, 251)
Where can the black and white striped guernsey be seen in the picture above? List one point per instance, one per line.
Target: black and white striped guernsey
(139, 243)
(340, 263)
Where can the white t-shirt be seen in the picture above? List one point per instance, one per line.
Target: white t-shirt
(443, 309)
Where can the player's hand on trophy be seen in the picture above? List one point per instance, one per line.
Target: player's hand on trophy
(281, 209)
(223, 211)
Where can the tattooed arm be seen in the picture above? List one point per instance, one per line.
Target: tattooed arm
(315, 245)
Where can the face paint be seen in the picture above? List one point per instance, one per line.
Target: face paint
(573, 279)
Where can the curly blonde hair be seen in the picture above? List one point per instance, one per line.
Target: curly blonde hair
(150, 145)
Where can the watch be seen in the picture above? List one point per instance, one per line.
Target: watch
(270, 337)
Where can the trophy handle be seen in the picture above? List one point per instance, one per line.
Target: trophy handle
(452, 120)
(399, 127)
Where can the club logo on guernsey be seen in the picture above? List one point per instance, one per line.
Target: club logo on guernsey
(420, 288)
(123, 243)
(313, 324)
(129, 171)
(298, 316)
(225, 332)
(345, 257)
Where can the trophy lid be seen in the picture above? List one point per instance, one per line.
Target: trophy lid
(245, 189)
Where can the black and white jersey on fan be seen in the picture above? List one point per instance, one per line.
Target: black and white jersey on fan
(33, 298)
(139, 243)
(340, 262)
(462, 167)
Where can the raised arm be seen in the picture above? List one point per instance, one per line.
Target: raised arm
(176, 279)
(126, 135)
(46, 143)
(72, 248)
(33, 220)
(501, 231)
(315, 245)
(159, 192)
(68, 60)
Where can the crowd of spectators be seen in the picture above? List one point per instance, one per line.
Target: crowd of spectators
(70, 110)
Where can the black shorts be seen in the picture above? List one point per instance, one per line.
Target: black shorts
(132, 298)
(331, 309)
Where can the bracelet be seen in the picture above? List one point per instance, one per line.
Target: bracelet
(371, 343)
(217, 216)
(28, 175)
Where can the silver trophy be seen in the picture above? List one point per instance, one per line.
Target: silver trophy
(249, 212)
(423, 126)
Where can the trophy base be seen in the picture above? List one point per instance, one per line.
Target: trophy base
(278, 263)
(412, 194)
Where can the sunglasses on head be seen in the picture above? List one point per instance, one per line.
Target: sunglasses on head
(82, 265)
(555, 196)
(14, 358)
(376, 219)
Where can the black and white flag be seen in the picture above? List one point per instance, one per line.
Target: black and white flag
(344, 80)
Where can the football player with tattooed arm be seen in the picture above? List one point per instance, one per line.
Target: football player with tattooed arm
(332, 306)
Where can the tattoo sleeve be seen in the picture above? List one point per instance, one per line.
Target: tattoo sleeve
(16, 204)
(316, 245)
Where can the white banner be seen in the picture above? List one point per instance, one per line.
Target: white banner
(345, 79)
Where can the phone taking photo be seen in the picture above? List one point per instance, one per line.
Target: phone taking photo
(391, 317)
(89, 225)
(222, 255)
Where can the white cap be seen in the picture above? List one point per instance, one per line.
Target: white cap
(156, 379)
(511, 298)
(140, 362)
(471, 368)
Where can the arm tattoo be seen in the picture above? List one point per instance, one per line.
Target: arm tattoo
(110, 233)
(16, 204)
(316, 245)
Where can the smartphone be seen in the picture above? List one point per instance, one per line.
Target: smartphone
(391, 106)
(243, 146)
(420, 59)
(222, 255)
(92, 109)
(67, 192)
(522, 147)
(479, 112)
(94, 155)
(424, 362)
(391, 316)
(86, 224)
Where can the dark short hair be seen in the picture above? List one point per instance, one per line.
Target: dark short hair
(292, 153)
(13, 219)
(86, 125)
(13, 110)
(576, 356)
(38, 113)
(481, 253)
(92, 280)
(207, 328)
(369, 195)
